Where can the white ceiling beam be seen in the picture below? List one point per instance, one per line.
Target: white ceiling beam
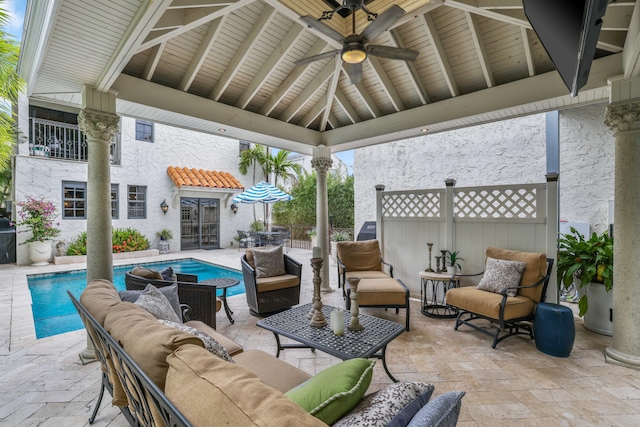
(213, 31)
(196, 18)
(259, 27)
(346, 106)
(331, 90)
(288, 42)
(631, 52)
(387, 84)
(148, 14)
(441, 54)
(314, 112)
(527, 51)
(410, 69)
(478, 42)
(366, 97)
(187, 4)
(616, 19)
(154, 57)
(333, 121)
(500, 4)
(308, 92)
(176, 18)
(413, 14)
(290, 81)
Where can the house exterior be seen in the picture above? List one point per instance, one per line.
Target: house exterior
(51, 162)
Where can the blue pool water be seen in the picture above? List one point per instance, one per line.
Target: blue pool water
(53, 312)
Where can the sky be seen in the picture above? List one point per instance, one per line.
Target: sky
(16, 9)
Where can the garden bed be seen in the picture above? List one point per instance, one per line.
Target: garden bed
(77, 259)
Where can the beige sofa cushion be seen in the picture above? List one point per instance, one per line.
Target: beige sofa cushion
(266, 284)
(212, 392)
(360, 256)
(381, 292)
(366, 275)
(272, 371)
(232, 347)
(146, 340)
(488, 304)
(98, 296)
(535, 268)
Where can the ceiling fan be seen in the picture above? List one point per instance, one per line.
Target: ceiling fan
(354, 46)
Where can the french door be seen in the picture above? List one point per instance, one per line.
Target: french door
(199, 223)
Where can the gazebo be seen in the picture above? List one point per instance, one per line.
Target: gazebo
(229, 67)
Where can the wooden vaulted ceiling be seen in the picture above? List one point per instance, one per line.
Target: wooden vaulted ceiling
(228, 66)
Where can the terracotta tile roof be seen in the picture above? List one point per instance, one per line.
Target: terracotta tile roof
(202, 178)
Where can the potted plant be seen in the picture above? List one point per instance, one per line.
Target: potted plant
(37, 216)
(452, 258)
(165, 235)
(338, 236)
(589, 264)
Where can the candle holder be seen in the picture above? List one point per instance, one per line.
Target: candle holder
(354, 324)
(444, 260)
(438, 263)
(430, 246)
(317, 318)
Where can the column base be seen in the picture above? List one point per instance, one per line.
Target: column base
(326, 290)
(87, 356)
(616, 357)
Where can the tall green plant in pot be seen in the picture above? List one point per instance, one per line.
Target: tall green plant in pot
(589, 264)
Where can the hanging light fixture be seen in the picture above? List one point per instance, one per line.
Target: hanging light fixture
(353, 53)
(164, 206)
(234, 208)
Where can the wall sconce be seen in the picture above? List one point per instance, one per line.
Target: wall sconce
(234, 208)
(164, 206)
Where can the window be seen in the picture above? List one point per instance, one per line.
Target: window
(144, 131)
(244, 145)
(115, 202)
(74, 200)
(137, 201)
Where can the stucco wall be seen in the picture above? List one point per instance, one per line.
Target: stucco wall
(143, 163)
(508, 152)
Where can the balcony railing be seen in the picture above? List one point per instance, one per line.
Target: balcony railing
(63, 141)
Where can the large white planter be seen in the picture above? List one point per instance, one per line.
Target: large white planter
(40, 252)
(599, 316)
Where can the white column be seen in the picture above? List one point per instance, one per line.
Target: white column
(321, 162)
(623, 117)
(98, 121)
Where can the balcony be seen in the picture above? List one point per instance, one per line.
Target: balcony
(63, 141)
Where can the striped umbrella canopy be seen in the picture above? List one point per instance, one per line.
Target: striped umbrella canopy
(262, 192)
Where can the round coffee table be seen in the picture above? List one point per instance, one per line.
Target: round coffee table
(223, 283)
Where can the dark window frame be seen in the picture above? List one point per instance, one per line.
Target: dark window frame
(138, 203)
(144, 131)
(115, 201)
(74, 186)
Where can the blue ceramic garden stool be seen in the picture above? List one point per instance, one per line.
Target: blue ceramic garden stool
(554, 329)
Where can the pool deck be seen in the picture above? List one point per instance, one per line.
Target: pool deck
(42, 382)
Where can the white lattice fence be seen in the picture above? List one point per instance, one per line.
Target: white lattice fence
(415, 204)
(525, 202)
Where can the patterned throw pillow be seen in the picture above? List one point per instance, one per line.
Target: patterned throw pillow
(395, 405)
(501, 274)
(269, 262)
(157, 304)
(210, 344)
(171, 292)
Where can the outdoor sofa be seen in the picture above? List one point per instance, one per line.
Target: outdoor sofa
(161, 375)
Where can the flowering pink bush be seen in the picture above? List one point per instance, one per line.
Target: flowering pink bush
(37, 215)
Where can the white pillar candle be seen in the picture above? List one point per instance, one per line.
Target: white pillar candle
(317, 253)
(338, 323)
(332, 321)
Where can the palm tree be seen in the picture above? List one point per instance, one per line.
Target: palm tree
(10, 87)
(251, 158)
(283, 167)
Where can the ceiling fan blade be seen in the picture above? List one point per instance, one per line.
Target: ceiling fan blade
(392, 52)
(383, 22)
(320, 27)
(354, 71)
(317, 57)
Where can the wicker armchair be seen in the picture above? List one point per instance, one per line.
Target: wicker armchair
(201, 298)
(272, 294)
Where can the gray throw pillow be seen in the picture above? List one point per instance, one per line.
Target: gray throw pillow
(393, 405)
(210, 343)
(168, 274)
(157, 304)
(170, 292)
(269, 262)
(501, 274)
(442, 411)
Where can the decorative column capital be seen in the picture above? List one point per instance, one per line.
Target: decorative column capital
(321, 164)
(623, 116)
(98, 124)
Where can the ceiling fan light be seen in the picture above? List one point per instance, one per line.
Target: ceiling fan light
(353, 55)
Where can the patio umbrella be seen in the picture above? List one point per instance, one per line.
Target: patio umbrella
(262, 192)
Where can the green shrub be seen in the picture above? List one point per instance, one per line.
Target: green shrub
(123, 240)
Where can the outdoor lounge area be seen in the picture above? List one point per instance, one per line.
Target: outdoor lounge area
(43, 382)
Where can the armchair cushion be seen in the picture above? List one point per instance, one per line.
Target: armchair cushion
(269, 262)
(501, 274)
(365, 275)
(488, 303)
(534, 270)
(157, 304)
(146, 273)
(284, 281)
(170, 292)
(360, 256)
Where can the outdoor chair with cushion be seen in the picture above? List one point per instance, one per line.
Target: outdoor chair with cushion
(271, 280)
(511, 287)
(244, 240)
(376, 288)
(200, 298)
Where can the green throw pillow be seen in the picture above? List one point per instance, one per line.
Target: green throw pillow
(333, 392)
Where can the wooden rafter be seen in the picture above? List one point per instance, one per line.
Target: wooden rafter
(441, 54)
(213, 31)
(308, 92)
(472, 21)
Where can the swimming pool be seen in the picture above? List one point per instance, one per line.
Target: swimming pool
(53, 312)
